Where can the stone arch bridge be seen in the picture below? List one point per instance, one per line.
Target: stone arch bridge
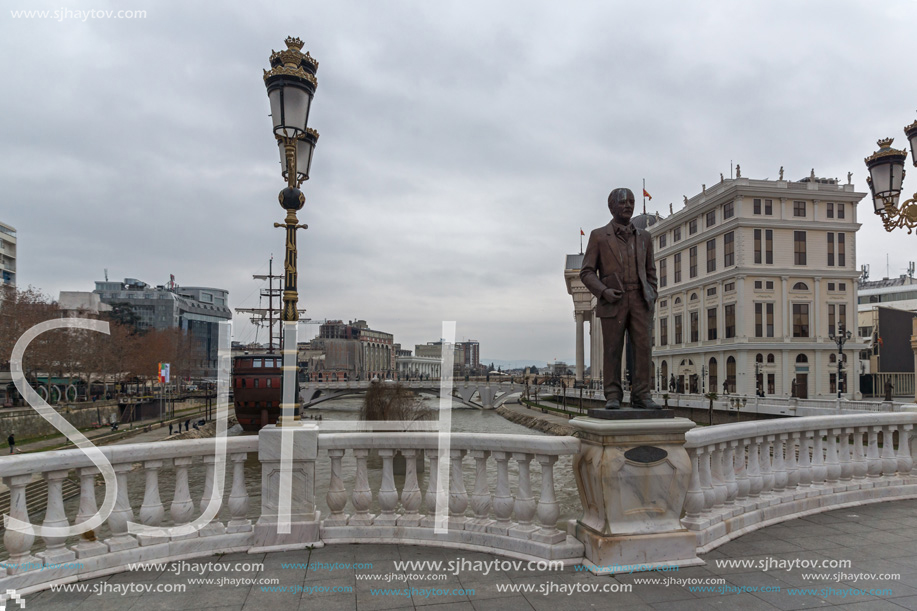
(481, 395)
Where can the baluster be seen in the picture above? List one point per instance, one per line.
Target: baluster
(152, 510)
(729, 471)
(805, 466)
(756, 482)
(215, 526)
(548, 511)
(873, 462)
(889, 462)
(694, 500)
(362, 498)
(525, 506)
(743, 485)
(480, 498)
(832, 466)
(182, 507)
(503, 500)
(55, 551)
(716, 475)
(121, 514)
(706, 483)
(859, 459)
(410, 493)
(780, 475)
(337, 495)
(819, 471)
(844, 455)
(458, 496)
(17, 543)
(767, 471)
(429, 520)
(388, 494)
(238, 497)
(88, 545)
(905, 460)
(792, 468)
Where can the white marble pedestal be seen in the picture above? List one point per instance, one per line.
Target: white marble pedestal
(271, 533)
(633, 476)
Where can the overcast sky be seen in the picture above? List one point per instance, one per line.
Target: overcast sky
(463, 144)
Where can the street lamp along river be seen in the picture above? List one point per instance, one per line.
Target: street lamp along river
(290, 87)
(886, 173)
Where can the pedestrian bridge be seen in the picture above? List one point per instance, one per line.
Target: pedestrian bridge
(475, 493)
(481, 395)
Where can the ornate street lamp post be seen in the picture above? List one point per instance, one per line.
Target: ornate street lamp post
(886, 173)
(290, 87)
(840, 339)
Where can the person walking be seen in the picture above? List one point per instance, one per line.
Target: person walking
(12, 441)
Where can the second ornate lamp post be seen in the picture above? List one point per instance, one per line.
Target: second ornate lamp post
(840, 339)
(886, 173)
(290, 87)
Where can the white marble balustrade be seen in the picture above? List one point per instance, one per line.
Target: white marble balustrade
(507, 516)
(752, 474)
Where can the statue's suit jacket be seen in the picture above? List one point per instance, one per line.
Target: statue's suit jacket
(602, 267)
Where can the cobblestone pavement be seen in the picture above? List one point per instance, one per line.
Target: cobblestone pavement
(858, 558)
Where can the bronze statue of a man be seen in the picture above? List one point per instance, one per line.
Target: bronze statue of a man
(619, 270)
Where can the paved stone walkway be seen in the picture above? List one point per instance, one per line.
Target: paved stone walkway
(877, 540)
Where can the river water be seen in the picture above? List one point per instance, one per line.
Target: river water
(464, 420)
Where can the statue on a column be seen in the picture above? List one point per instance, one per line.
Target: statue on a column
(619, 269)
(888, 389)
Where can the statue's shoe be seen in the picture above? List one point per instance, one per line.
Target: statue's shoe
(647, 403)
(613, 404)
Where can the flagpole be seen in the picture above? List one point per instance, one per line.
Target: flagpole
(581, 240)
(644, 196)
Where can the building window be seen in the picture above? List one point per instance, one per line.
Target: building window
(711, 291)
(769, 246)
(664, 331)
(662, 241)
(770, 359)
(769, 285)
(729, 312)
(830, 210)
(771, 383)
(711, 255)
(768, 207)
(758, 258)
(711, 218)
(663, 274)
(799, 208)
(729, 287)
(842, 287)
(692, 226)
(799, 247)
(711, 369)
(664, 303)
(759, 320)
(711, 323)
(830, 249)
(800, 286)
(693, 297)
(832, 321)
(728, 210)
(840, 211)
(695, 324)
(731, 373)
(756, 206)
(692, 262)
(678, 329)
(800, 320)
(841, 317)
(841, 249)
(676, 234)
(769, 319)
(759, 285)
(677, 267)
(831, 286)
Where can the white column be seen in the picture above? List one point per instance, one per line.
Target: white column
(580, 356)
(741, 332)
(786, 308)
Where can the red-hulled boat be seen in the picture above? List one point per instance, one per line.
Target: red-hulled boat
(256, 386)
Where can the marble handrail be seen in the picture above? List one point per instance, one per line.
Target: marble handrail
(751, 474)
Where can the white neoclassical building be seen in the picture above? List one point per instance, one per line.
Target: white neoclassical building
(417, 366)
(754, 278)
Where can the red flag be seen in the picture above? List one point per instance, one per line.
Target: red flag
(581, 231)
(645, 194)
